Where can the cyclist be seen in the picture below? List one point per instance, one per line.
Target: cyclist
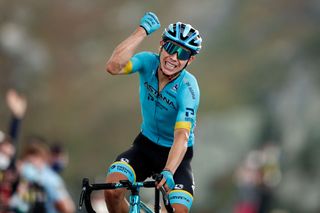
(169, 98)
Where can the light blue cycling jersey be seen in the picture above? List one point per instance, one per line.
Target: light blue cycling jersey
(174, 107)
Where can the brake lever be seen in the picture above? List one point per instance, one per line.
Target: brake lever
(166, 201)
(82, 198)
(157, 177)
(165, 198)
(85, 183)
(126, 183)
(164, 195)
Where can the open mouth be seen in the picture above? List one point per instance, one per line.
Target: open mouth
(170, 65)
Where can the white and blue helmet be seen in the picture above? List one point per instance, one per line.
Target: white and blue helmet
(185, 35)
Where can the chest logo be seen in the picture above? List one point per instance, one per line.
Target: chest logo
(154, 94)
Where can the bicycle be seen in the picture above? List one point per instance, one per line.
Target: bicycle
(134, 199)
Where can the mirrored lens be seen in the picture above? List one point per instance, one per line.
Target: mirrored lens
(172, 48)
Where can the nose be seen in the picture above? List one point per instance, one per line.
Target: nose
(175, 56)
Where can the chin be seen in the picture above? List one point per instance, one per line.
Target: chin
(169, 72)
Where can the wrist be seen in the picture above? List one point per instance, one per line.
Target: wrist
(142, 30)
(168, 170)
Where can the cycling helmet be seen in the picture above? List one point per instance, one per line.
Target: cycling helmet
(185, 35)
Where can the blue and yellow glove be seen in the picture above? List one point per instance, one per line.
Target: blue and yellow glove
(169, 178)
(150, 22)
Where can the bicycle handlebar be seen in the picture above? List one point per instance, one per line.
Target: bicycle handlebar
(87, 189)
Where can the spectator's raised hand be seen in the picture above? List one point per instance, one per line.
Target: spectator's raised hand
(17, 103)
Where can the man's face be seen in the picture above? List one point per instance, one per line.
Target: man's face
(170, 63)
(7, 148)
(6, 153)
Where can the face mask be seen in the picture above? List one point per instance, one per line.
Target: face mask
(30, 172)
(4, 161)
(58, 166)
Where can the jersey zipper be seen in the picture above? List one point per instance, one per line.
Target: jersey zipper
(157, 99)
(155, 115)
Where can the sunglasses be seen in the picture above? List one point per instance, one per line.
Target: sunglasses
(172, 48)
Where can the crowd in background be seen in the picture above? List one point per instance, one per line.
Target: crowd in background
(30, 180)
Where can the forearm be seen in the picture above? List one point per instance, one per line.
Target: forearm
(14, 128)
(178, 150)
(124, 51)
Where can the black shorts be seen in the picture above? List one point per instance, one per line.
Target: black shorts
(147, 158)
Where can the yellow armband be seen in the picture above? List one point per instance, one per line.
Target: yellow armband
(128, 68)
(183, 125)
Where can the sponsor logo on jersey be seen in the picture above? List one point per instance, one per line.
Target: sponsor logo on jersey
(178, 186)
(154, 93)
(189, 112)
(171, 95)
(125, 160)
(179, 197)
(191, 90)
(193, 95)
(175, 87)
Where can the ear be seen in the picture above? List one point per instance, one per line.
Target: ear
(191, 59)
(161, 44)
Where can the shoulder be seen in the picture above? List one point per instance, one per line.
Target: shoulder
(189, 90)
(52, 178)
(189, 80)
(144, 61)
(146, 55)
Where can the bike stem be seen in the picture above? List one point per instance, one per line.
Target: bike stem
(157, 200)
(134, 198)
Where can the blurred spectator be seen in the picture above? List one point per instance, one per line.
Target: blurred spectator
(17, 104)
(248, 178)
(256, 178)
(7, 151)
(8, 174)
(39, 188)
(59, 157)
(40, 182)
(271, 175)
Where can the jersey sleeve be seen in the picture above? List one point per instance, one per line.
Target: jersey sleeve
(139, 62)
(188, 103)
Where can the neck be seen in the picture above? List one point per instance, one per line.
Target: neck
(163, 78)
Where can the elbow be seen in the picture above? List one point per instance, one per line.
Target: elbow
(111, 68)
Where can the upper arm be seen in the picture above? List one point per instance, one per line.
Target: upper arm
(188, 103)
(135, 64)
